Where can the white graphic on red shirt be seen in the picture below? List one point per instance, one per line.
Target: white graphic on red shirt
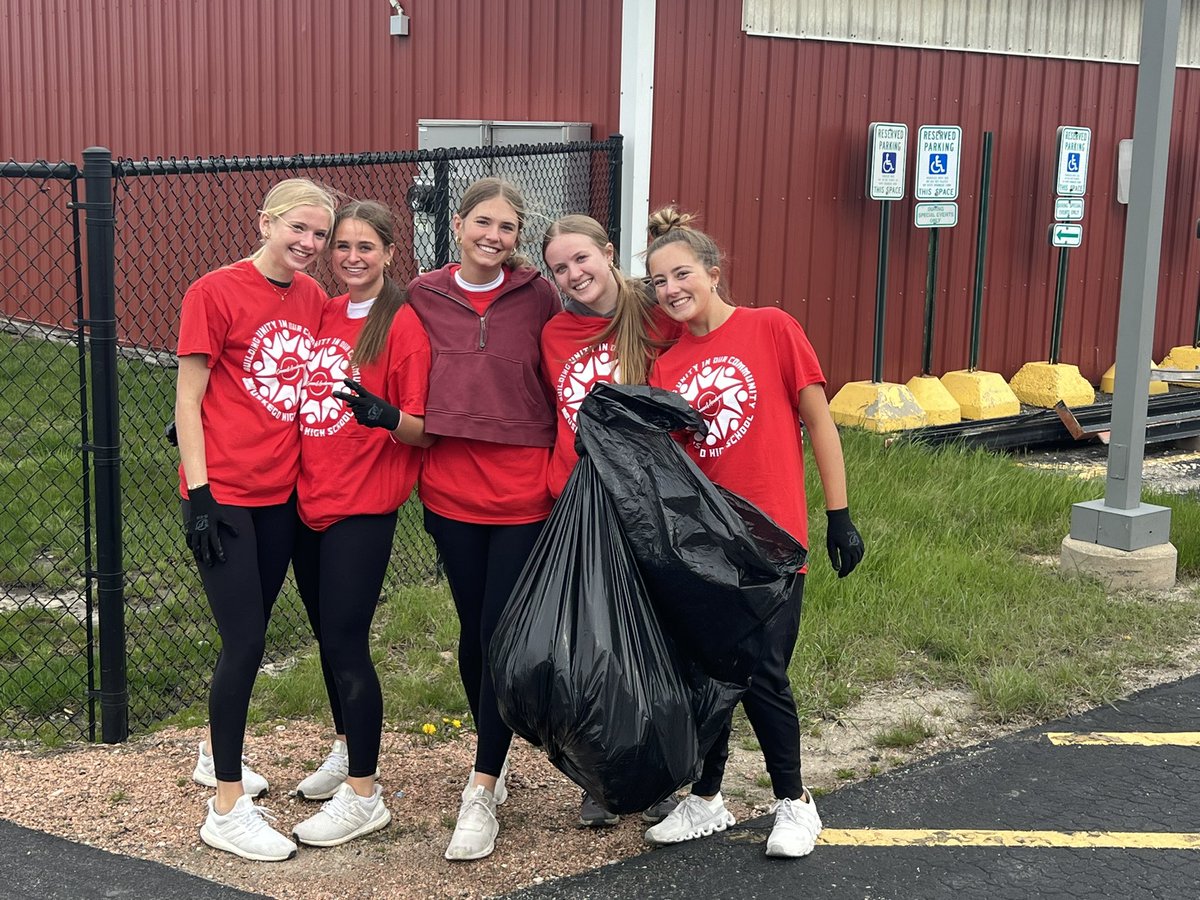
(321, 413)
(276, 366)
(721, 389)
(589, 366)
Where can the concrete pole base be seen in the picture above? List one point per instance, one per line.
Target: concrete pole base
(931, 395)
(1151, 568)
(1043, 384)
(876, 406)
(1187, 358)
(981, 395)
(1108, 382)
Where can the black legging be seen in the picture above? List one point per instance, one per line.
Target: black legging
(339, 573)
(241, 592)
(771, 709)
(482, 564)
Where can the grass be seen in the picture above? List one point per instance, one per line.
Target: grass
(909, 732)
(170, 638)
(950, 593)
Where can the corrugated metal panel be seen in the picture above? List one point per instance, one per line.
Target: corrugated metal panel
(245, 77)
(767, 139)
(1101, 30)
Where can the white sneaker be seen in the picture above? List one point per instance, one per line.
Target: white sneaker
(330, 775)
(796, 828)
(205, 773)
(694, 817)
(475, 834)
(245, 831)
(501, 792)
(344, 818)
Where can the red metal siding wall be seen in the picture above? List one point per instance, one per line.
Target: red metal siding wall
(767, 138)
(200, 77)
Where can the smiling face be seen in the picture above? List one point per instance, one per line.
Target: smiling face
(488, 234)
(292, 240)
(359, 257)
(685, 289)
(583, 271)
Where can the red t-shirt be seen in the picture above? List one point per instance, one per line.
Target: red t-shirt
(258, 346)
(347, 469)
(485, 483)
(745, 378)
(572, 364)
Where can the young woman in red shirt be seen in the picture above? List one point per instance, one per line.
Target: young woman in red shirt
(246, 336)
(610, 330)
(361, 432)
(753, 375)
(483, 483)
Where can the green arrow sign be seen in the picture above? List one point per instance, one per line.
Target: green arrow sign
(1066, 234)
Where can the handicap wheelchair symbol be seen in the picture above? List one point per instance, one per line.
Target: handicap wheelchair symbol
(1072, 162)
(938, 163)
(889, 163)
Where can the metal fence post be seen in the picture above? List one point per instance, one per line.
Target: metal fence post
(105, 448)
(614, 193)
(441, 209)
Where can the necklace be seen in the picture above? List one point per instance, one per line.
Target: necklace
(279, 288)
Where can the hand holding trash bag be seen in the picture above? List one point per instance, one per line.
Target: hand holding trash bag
(717, 568)
(844, 543)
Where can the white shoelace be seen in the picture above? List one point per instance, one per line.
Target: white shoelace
(255, 818)
(693, 810)
(342, 810)
(334, 762)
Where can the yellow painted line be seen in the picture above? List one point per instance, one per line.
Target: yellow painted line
(916, 837)
(1124, 738)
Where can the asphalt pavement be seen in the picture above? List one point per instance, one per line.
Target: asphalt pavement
(1102, 804)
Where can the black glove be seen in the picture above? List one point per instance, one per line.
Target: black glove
(844, 543)
(205, 516)
(171, 434)
(369, 410)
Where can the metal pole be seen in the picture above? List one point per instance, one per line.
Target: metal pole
(106, 443)
(1143, 248)
(985, 187)
(615, 151)
(1060, 294)
(441, 210)
(885, 218)
(930, 300)
(1196, 333)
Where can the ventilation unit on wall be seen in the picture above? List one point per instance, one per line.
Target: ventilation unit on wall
(553, 184)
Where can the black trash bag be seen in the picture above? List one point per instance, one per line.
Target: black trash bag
(582, 669)
(717, 568)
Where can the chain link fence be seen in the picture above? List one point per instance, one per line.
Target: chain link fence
(46, 609)
(174, 220)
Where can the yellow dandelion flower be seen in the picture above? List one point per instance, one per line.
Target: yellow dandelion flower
(457, 723)
(429, 728)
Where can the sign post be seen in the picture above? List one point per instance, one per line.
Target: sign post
(938, 152)
(1070, 183)
(887, 155)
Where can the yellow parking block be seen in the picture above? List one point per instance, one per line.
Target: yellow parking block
(935, 837)
(1124, 738)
